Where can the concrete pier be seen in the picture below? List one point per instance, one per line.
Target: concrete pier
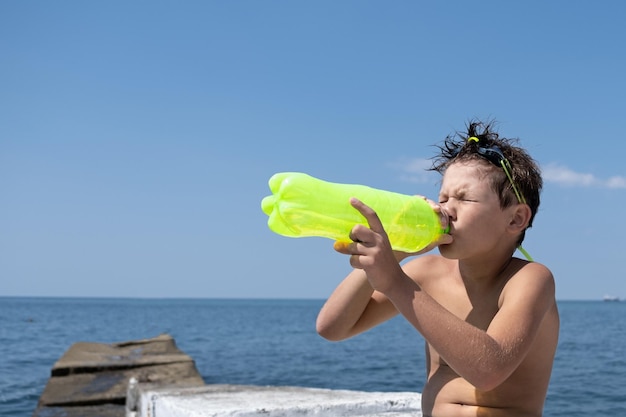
(257, 401)
(153, 378)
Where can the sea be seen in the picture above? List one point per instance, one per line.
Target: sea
(273, 342)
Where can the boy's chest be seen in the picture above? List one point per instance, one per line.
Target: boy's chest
(477, 308)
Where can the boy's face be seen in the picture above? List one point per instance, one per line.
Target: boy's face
(477, 222)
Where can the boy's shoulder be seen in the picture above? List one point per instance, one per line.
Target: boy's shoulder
(520, 279)
(531, 280)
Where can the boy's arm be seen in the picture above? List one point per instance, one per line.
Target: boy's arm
(353, 308)
(483, 358)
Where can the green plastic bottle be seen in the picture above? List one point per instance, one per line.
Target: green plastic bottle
(304, 206)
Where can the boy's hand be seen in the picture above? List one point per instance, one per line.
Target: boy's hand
(343, 246)
(370, 249)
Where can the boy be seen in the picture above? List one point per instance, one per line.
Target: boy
(489, 319)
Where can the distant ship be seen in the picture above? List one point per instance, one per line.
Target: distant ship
(611, 298)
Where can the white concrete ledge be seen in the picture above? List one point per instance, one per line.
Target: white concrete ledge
(258, 401)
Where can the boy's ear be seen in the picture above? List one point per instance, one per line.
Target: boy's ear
(520, 218)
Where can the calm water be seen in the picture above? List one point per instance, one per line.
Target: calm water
(273, 342)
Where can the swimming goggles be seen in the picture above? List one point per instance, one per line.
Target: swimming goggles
(494, 155)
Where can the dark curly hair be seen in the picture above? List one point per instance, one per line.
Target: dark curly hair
(524, 171)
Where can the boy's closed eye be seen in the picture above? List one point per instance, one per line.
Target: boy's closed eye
(458, 197)
(467, 199)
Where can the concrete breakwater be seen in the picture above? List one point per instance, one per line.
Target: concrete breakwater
(153, 378)
(91, 379)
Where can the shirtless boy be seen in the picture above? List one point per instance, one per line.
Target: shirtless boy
(489, 319)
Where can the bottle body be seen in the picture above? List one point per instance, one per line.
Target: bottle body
(303, 206)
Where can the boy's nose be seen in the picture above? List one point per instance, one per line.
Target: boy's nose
(449, 210)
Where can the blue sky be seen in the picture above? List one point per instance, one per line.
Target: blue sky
(137, 138)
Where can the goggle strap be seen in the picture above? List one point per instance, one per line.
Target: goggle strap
(526, 254)
(520, 198)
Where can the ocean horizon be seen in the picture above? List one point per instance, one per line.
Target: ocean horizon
(273, 342)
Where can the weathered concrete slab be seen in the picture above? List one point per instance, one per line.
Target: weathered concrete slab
(91, 379)
(256, 401)
(84, 357)
(111, 386)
